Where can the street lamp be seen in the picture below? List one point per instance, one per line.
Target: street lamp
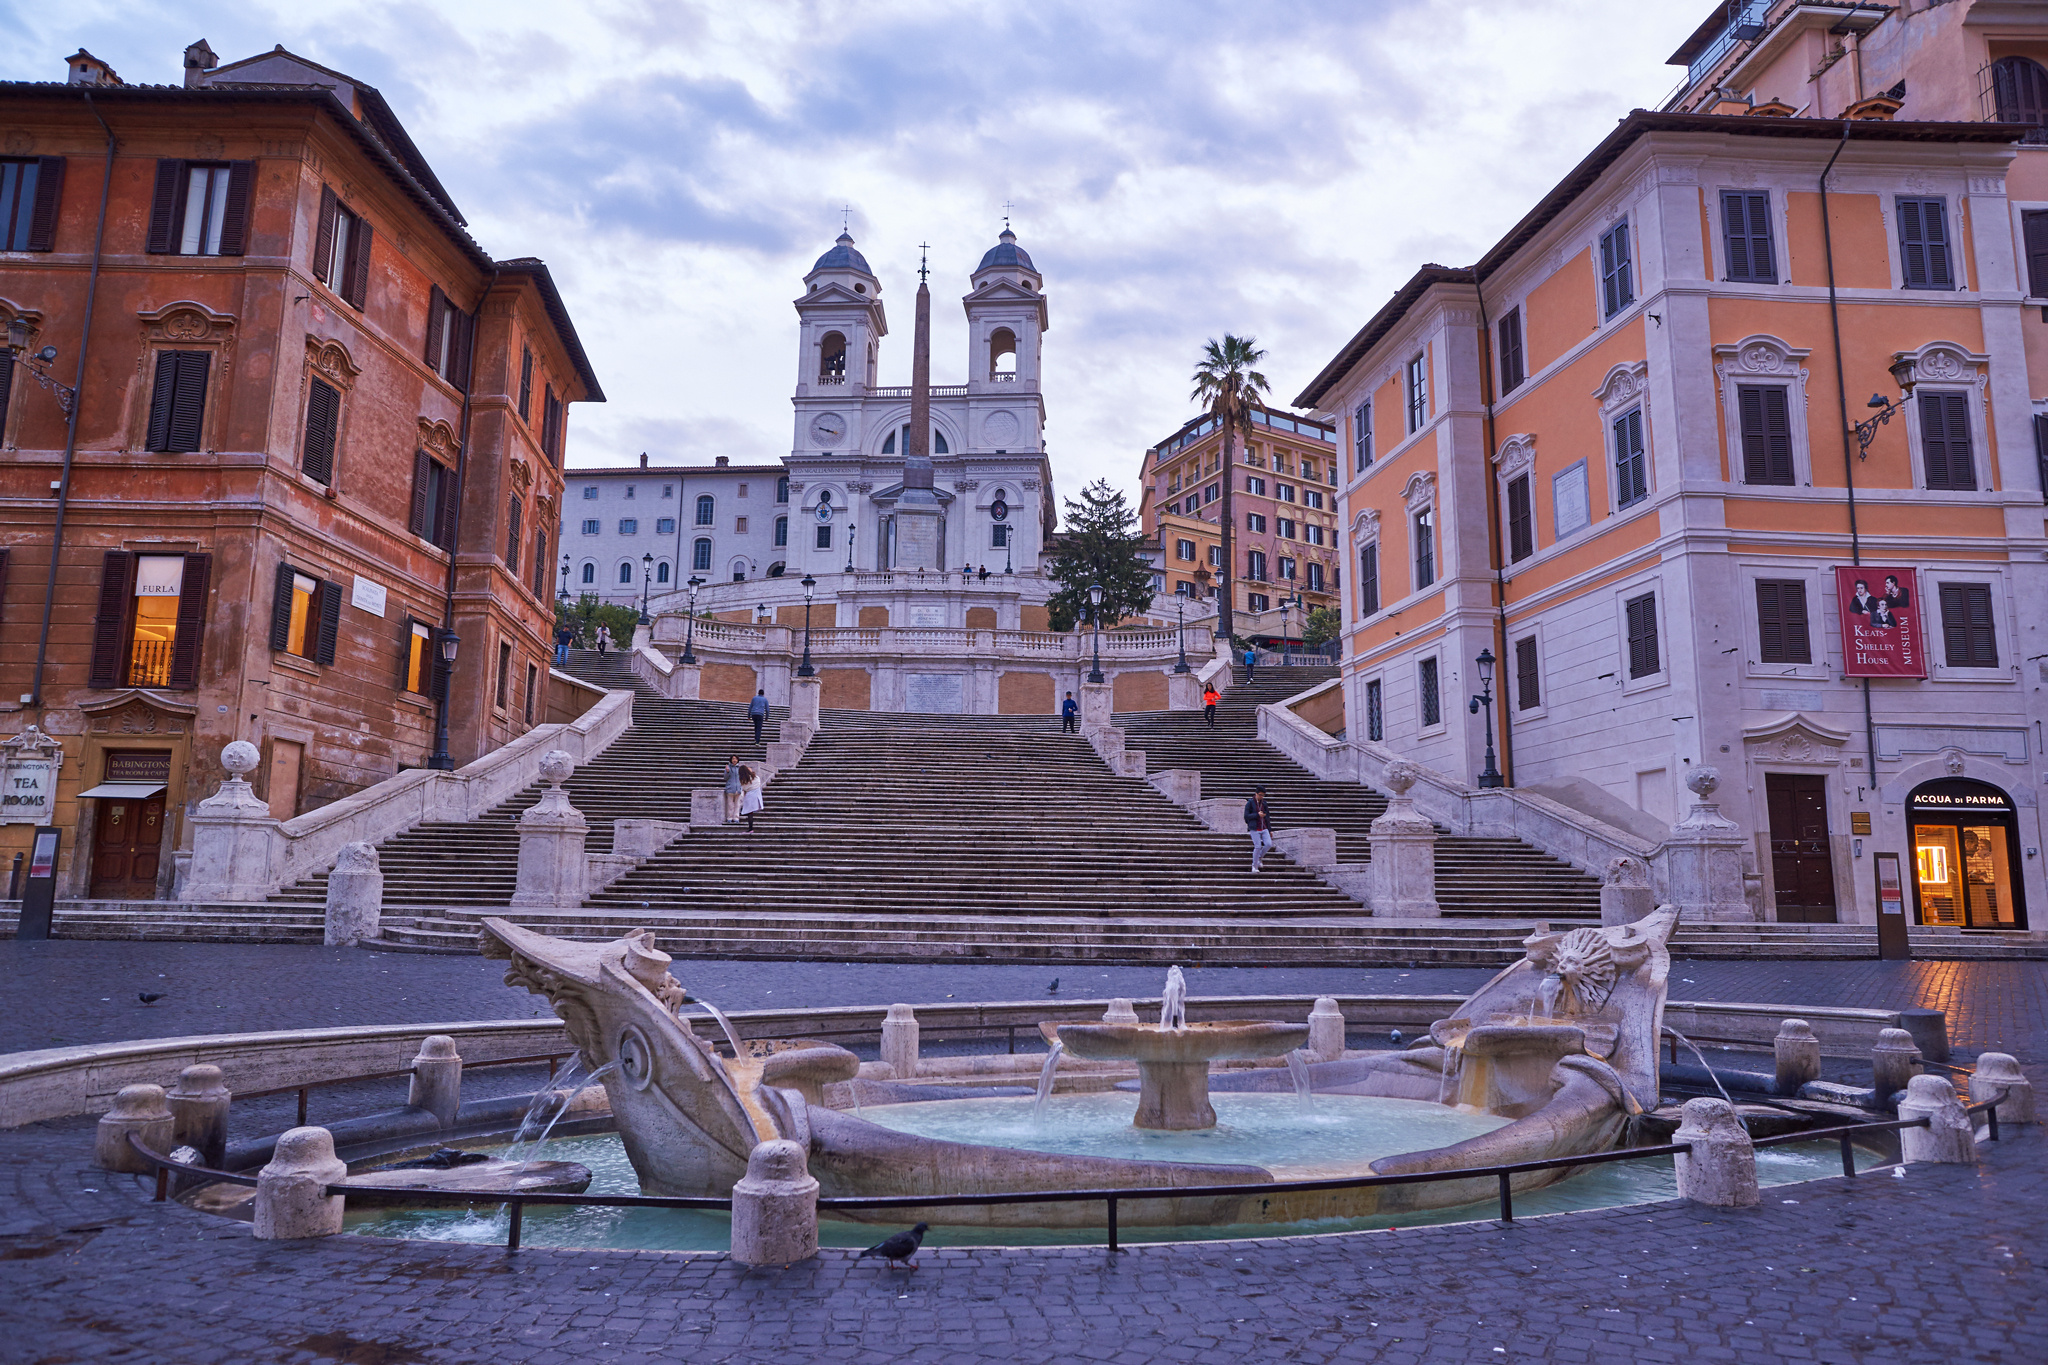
(564, 593)
(1180, 608)
(1902, 375)
(440, 759)
(1490, 775)
(690, 637)
(851, 532)
(1285, 656)
(646, 581)
(1095, 620)
(17, 344)
(804, 669)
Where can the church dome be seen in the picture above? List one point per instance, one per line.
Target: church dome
(1006, 252)
(842, 256)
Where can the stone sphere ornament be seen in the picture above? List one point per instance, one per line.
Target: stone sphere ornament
(1702, 781)
(556, 766)
(239, 757)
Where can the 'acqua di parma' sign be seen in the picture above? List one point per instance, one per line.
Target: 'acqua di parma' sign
(1881, 631)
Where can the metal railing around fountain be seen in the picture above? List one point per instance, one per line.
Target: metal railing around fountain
(393, 1196)
(553, 1059)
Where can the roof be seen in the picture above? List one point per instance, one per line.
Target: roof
(1640, 123)
(842, 256)
(535, 269)
(1006, 253)
(602, 470)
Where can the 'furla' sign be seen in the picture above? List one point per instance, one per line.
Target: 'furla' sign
(29, 764)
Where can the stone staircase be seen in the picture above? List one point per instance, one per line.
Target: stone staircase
(1475, 877)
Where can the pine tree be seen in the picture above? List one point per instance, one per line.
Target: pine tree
(1100, 545)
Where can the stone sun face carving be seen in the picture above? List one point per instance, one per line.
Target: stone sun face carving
(1585, 964)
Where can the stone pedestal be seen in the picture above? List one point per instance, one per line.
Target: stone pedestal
(199, 1113)
(775, 1207)
(784, 755)
(553, 871)
(643, 637)
(1325, 1030)
(1998, 1071)
(1183, 692)
(1798, 1055)
(1894, 1063)
(803, 702)
(1097, 705)
(1929, 1029)
(899, 1041)
(1948, 1136)
(687, 682)
(707, 807)
(139, 1110)
(1721, 1167)
(1625, 894)
(1182, 786)
(642, 839)
(1401, 879)
(437, 1079)
(1703, 859)
(355, 897)
(1312, 848)
(1223, 814)
(291, 1199)
(1120, 1011)
(236, 845)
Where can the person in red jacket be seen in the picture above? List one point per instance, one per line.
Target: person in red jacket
(1210, 696)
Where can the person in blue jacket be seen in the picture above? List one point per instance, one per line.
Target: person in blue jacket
(757, 711)
(1070, 714)
(1251, 663)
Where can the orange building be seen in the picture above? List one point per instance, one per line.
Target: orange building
(315, 428)
(1621, 455)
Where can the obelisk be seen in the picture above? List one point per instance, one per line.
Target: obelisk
(919, 542)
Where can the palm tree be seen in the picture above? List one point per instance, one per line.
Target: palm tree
(1230, 388)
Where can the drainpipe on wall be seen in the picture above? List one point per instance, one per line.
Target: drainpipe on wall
(35, 691)
(1500, 583)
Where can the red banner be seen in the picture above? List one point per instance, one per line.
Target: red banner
(1881, 631)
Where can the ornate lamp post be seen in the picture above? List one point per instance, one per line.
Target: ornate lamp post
(563, 595)
(17, 342)
(1095, 620)
(1490, 775)
(690, 636)
(440, 759)
(1180, 608)
(1286, 657)
(804, 669)
(851, 532)
(646, 581)
(1902, 375)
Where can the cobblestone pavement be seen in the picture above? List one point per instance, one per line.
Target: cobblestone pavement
(60, 993)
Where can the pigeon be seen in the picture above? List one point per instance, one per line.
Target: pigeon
(902, 1247)
(1054, 988)
(149, 997)
(1395, 1037)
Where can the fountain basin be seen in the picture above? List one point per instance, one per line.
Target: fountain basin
(1173, 1063)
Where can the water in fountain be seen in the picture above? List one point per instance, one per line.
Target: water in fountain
(732, 1036)
(549, 1104)
(1703, 1062)
(1052, 1063)
(1550, 987)
(1297, 1067)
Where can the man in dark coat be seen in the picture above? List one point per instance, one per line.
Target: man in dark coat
(1070, 712)
(1258, 822)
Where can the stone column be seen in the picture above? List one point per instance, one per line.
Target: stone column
(1998, 1071)
(1947, 1136)
(355, 897)
(687, 682)
(899, 1041)
(1625, 895)
(1325, 1030)
(553, 870)
(291, 1199)
(1798, 1055)
(775, 1207)
(237, 847)
(199, 1113)
(1894, 1062)
(803, 702)
(140, 1110)
(1721, 1167)
(1702, 859)
(437, 1079)
(1097, 705)
(1401, 879)
(1183, 692)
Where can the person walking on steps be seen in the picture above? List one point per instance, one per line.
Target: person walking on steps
(564, 637)
(1210, 696)
(604, 640)
(733, 783)
(757, 711)
(1070, 712)
(1258, 822)
(751, 782)
(1251, 663)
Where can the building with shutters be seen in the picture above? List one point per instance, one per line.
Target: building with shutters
(653, 527)
(316, 425)
(1620, 454)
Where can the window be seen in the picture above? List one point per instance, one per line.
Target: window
(29, 192)
(1415, 384)
(1311, 498)
(1312, 533)
(1945, 441)
(999, 536)
(1528, 683)
(629, 526)
(629, 491)
(592, 526)
(1315, 578)
(551, 425)
(1308, 470)
(1746, 236)
(433, 500)
(1923, 244)
(449, 334)
(668, 490)
(824, 538)
(781, 489)
(542, 565)
(590, 492)
(525, 380)
(2019, 90)
(1257, 601)
(151, 619)
(1966, 629)
(1368, 580)
(1425, 547)
(1631, 472)
(665, 526)
(513, 514)
(661, 572)
(1212, 492)
(1184, 549)
(1255, 521)
(504, 674)
(1286, 567)
(1285, 526)
(1766, 434)
(1521, 520)
(1617, 280)
(1781, 622)
(2040, 435)
(341, 250)
(739, 525)
(1361, 436)
(1255, 565)
(781, 532)
(1284, 492)
(706, 511)
(1375, 712)
(177, 402)
(1215, 556)
(7, 383)
(1255, 486)
(323, 425)
(532, 689)
(419, 656)
(626, 572)
(200, 208)
(1432, 697)
(305, 615)
(590, 573)
(742, 490)
(1511, 371)
(1642, 635)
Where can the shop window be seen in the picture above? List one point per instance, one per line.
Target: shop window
(151, 620)
(1965, 868)
(305, 615)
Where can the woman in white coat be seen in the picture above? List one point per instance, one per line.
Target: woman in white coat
(751, 782)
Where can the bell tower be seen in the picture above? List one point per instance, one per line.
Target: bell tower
(838, 343)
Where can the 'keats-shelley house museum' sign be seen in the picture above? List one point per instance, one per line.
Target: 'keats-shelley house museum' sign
(29, 763)
(1881, 635)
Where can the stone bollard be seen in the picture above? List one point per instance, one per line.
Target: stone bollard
(237, 848)
(1721, 1167)
(899, 1041)
(1401, 878)
(553, 871)
(140, 1110)
(1325, 1030)
(1625, 894)
(355, 897)
(707, 807)
(1119, 1012)
(437, 1079)
(1798, 1053)
(199, 1113)
(775, 1207)
(1929, 1029)
(291, 1199)
(1894, 1061)
(1998, 1071)
(1948, 1135)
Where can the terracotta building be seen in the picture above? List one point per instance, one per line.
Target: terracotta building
(1621, 455)
(315, 425)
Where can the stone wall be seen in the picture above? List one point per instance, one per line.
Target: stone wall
(1026, 694)
(728, 682)
(1140, 691)
(846, 689)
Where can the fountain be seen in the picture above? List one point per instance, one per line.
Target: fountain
(1173, 1060)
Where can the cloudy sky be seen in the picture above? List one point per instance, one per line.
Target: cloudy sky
(1177, 170)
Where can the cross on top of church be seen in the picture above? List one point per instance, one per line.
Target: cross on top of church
(1007, 206)
(846, 218)
(923, 257)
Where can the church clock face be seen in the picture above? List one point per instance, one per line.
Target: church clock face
(827, 428)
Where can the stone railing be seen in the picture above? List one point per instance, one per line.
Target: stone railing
(787, 642)
(240, 854)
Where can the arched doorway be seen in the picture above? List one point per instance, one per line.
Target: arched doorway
(1966, 863)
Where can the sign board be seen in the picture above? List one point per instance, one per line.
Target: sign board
(1882, 631)
(367, 595)
(1859, 822)
(1986, 801)
(159, 575)
(29, 765)
(39, 894)
(1892, 942)
(139, 766)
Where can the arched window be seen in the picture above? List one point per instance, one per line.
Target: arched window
(781, 532)
(1002, 354)
(706, 510)
(832, 359)
(939, 446)
(775, 569)
(661, 572)
(700, 556)
(2019, 85)
(626, 572)
(739, 571)
(590, 573)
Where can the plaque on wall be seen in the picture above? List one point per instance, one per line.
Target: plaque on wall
(29, 765)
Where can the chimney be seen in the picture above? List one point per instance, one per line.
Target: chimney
(199, 60)
(724, 460)
(643, 459)
(86, 69)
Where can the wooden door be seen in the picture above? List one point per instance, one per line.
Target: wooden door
(1802, 860)
(283, 791)
(128, 838)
